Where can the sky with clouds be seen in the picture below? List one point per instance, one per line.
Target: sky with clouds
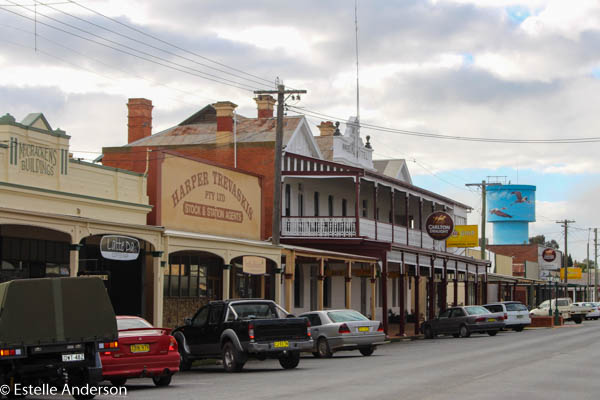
(497, 69)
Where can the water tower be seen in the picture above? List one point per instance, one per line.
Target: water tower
(510, 209)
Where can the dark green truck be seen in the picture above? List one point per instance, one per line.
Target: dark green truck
(51, 333)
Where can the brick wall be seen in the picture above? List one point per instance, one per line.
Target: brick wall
(252, 157)
(175, 309)
(519, 253)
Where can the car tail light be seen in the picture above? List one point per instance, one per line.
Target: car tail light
(308, 328)
(251, 331)
(344, 329)
(480, 319)
(109, 345)
(10, 352)
(172, 344)
(380, 328)
(505, 315)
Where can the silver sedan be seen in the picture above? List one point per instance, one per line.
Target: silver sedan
(337, 330)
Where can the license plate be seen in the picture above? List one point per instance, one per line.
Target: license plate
(73, 357)
(363, 329)
(519, 316)
(281, 344)
(140, 348)
(491, 319)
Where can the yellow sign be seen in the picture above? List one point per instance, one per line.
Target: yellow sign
(464, 236)
(574, 273)
(204, 198)
(254, 265)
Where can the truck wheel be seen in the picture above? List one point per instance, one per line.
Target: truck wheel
(161, 381)
(185, 364)
(577, 319)
(464, 331)
(290, 361)
(366, 351)
(232, 359)
(118, 381)
(323, 348)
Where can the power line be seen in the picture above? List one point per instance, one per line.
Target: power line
(305, 111)
(198, 74)
(149, 45)
(170, 44)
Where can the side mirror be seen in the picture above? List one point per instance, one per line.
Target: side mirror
(187, 321)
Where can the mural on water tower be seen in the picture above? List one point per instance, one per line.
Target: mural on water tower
(510, 210)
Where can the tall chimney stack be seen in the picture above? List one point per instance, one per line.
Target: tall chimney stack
(265, 103)
(224, 121)
(139, 124)
(326, 128)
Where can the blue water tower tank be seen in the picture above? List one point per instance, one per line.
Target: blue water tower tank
(510, 209)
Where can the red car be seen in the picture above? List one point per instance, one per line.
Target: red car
(144, 351)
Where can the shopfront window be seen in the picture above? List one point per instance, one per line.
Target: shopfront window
(193, 275)
(32, 258)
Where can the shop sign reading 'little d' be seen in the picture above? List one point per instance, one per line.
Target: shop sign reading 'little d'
(120, 248)
(200, 197)
(439, 225)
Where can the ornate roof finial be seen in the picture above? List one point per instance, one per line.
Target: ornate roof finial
(368, 145)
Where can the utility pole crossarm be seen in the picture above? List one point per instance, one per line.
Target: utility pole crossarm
(276, 223)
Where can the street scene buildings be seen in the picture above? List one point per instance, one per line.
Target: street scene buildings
(424, 191)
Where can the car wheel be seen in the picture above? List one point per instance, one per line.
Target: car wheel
(316, 354)
(464, 331)
(366, 351)
(162, 380)
(323, 348)
(519, 328)
(232, 360)
(118, 381)
(185, 364)
(577, 319)
(428, 332)
(492, 333)
(455, 335)
(596, 318)
(290, 361)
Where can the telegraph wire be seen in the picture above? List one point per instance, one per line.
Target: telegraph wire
(304, 111)
(236, 85)
(147, 44)
(170, 44)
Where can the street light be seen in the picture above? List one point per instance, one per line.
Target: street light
(549, 288)
(556, 316)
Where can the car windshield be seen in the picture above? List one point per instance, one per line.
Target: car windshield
(132, 323)
(476, 310)
(346, 316)
(515, 307)
(254, 310)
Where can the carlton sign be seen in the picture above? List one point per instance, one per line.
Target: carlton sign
(439, 225)
(549, 255)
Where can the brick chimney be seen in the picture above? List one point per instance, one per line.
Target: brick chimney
(326, 128)
(265, 103)
(224, 121)
(139, 119)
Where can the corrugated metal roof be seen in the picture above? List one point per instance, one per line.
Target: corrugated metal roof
(248, 130)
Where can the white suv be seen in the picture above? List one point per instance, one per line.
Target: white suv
(516, 315)
(594, 314)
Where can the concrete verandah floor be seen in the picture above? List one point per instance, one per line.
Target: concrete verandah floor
(409, 329)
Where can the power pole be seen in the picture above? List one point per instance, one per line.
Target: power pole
(483, 186)
(595, 264)
(566, 223)
(281, 92)
(587, 292)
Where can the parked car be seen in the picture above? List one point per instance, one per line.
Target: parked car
(594, 314)
(239, 329)
(51, 331)
(337, 330)
(516, 314)
(566, 309)
(144, 351)
(462, 321)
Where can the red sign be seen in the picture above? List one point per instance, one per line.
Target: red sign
(549, 255)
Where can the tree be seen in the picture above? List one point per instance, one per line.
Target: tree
(569, 261)
(541, 240)
(583, 265)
